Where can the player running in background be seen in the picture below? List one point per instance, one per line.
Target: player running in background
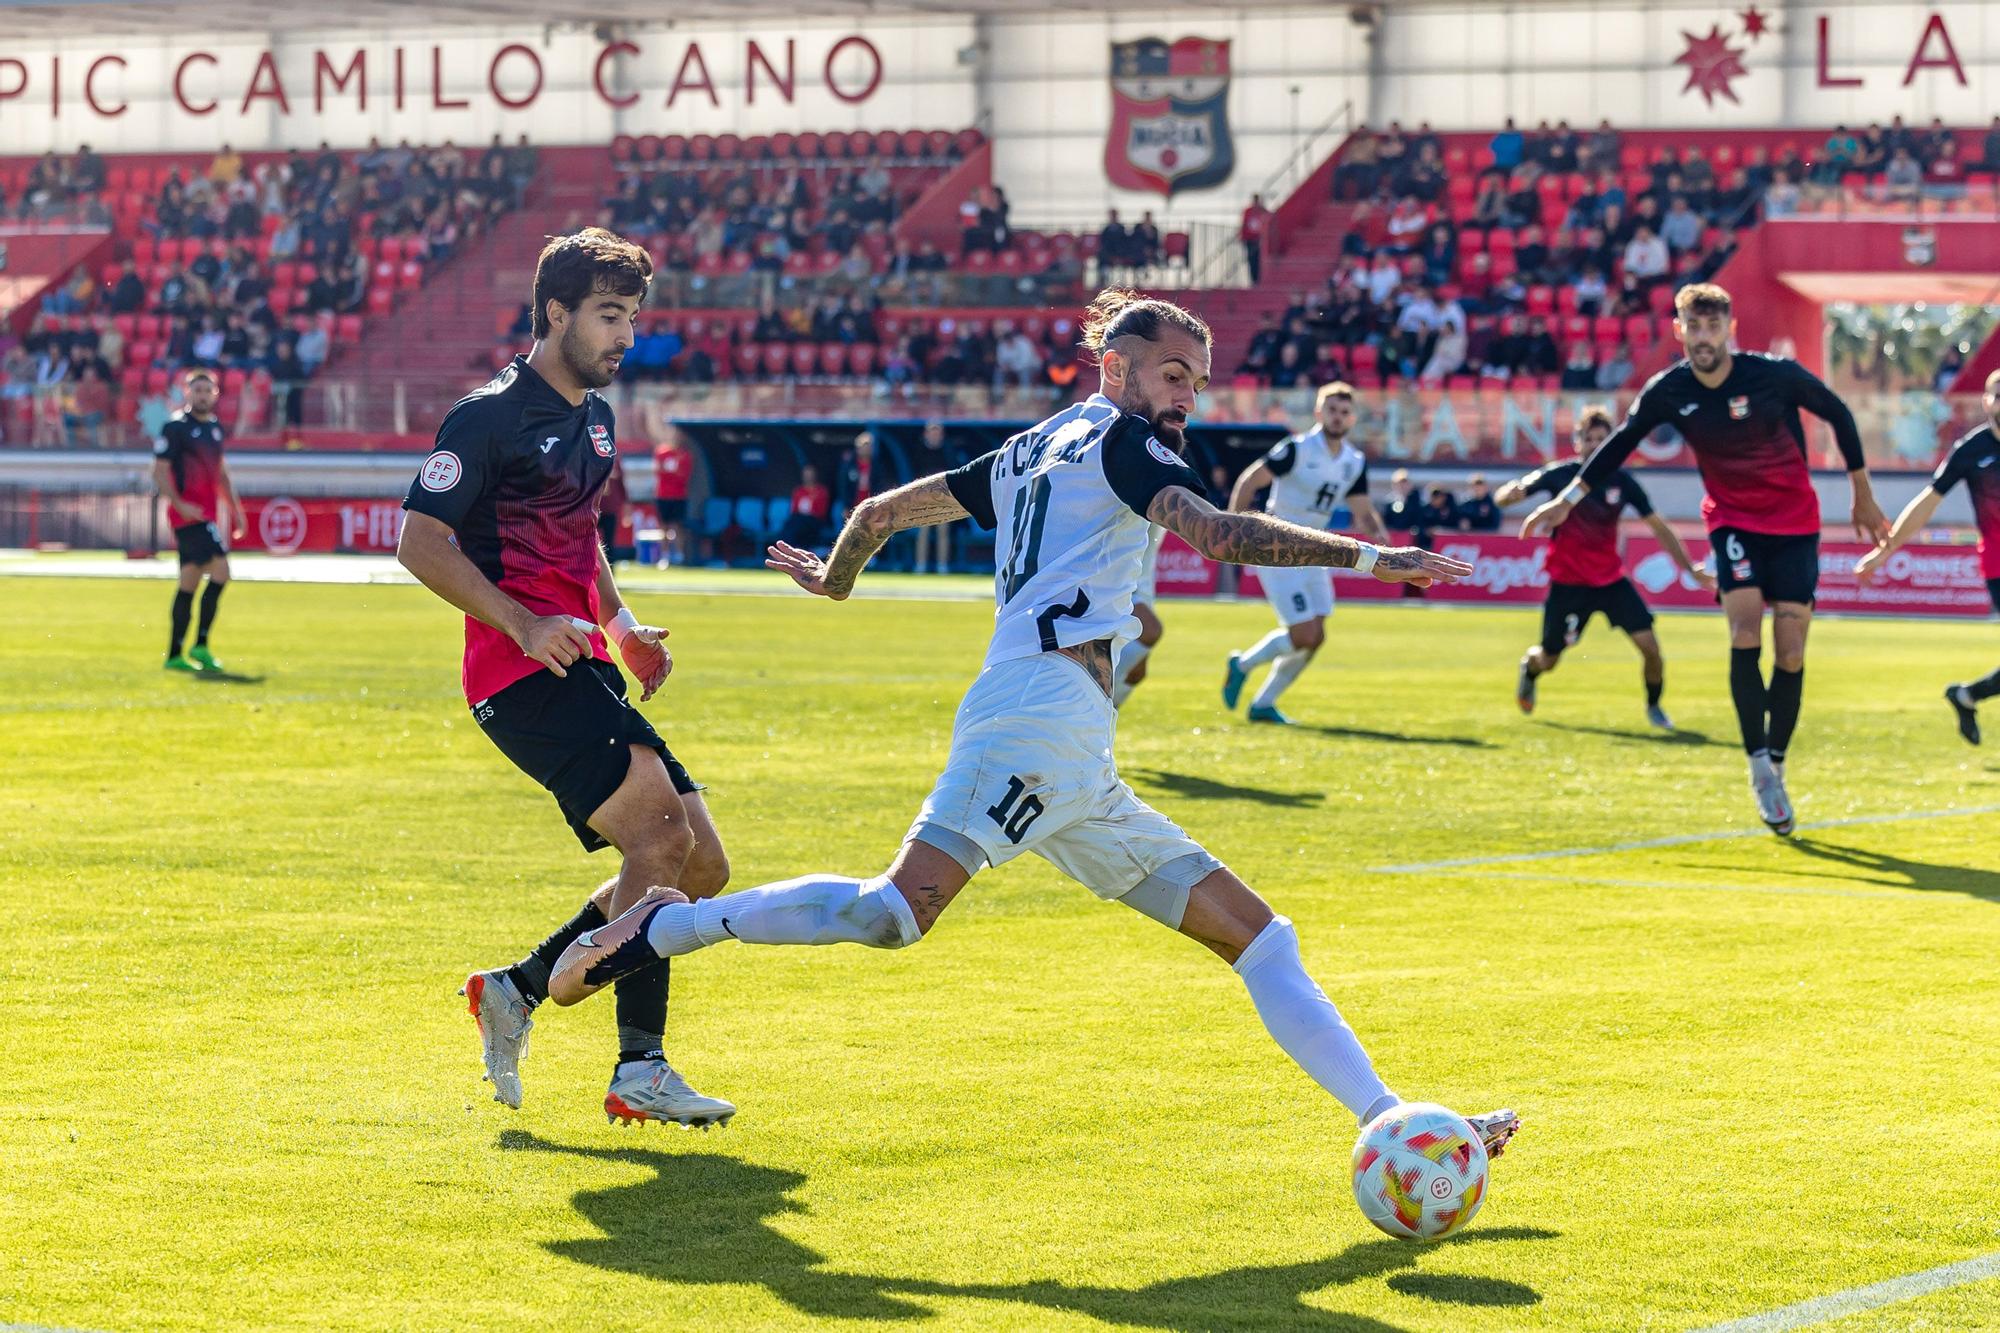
(1309, 475)
(1030, 767)
(1587, 571)
(1974, 460)
(1131, 666)
(1739, 412)
(502, 524)
(189, 472)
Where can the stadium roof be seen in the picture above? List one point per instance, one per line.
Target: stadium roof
(69, 18)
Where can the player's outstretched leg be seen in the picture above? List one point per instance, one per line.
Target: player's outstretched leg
(1305, 638)
(1537, 662)
(1267, 649)
(1130, 668)
(1654, 672)
(1964, 700)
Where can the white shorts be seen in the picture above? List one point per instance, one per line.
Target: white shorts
(1298, 594)
(1030, 770)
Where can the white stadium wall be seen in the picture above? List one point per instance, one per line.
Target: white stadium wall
(1040, 84)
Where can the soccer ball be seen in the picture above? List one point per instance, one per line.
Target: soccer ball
(1419, 1171)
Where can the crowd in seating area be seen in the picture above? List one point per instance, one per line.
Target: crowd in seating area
(257, 270)
(1548, 257)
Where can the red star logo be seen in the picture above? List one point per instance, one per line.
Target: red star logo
(1712, 62)
(1755, 22)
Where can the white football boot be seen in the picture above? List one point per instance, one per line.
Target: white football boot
(1774, 806)
(503, 1031)
(644, 1090)
(1495, 1129)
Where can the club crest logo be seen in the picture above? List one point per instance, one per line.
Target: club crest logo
(1169, 115)
(1920, 246)
(1739, 408)
(600, 440)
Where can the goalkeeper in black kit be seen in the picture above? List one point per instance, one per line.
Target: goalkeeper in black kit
(1739, 412)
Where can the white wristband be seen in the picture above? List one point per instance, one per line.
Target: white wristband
(622, 625)
(1365, 561)
(1573, 494)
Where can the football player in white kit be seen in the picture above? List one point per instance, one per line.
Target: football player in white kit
(1309, 476)
(1030, 767)
(1130, 669)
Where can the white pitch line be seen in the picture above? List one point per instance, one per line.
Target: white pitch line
(1807, 889)
(1893, 1292)
(1677, 840)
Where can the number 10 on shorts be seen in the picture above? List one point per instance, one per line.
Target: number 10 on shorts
(1013, 813)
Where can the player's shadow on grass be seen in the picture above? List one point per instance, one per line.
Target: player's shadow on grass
(1393, 737)
(704, 1219)
(1190, 787)
(1678, 736)
(1900, 871)
(226, 678)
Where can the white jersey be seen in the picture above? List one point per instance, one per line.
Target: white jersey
(1067, 500)
(1311, 477)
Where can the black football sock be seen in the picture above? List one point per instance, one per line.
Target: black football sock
(531, 975)
(210, 597)
(1787, 687)
(183, 612)
(1654, 689)
(1985, 687)
(1746, 688)
(642, 1013)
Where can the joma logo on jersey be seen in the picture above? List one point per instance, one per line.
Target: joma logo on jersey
(600, 440)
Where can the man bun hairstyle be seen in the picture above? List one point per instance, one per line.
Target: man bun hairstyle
(1121, 313)
(1701, 298)
(575, 267)
(1596, 414)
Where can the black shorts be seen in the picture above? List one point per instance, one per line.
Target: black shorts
(1785, 568)
(1571, 605)
(671, 511)
(570, 734)
(199, 543)
(1993, 591)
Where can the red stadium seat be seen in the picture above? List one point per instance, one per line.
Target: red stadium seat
(308, 273)
(411, 275)
(1661, 299)
(145, 253)
(701, 148)
(968, 140)
(127, 326)
(805, 358)
(131, 382)
(1639, 330)
(390, 249)
(910, 144)
(938, 143)
(834, 145)
(1541, 300)
(347, 329)
(860, 143)
(861, 359)
(1576, 329)
(777, 357)
(833, 358)
(728, 147)
(1176, 248)
(1566, 300)
(887, 143)
(757, 147)
(1365, 362)
(1500, 241)
(807, 145)
(156, 381)
(1631, 157)
(624, 149)
(748, 358)
(784, 145)
(151, 327)
(1457, 161)
(1607, 329)
(381, 300)
(1460, 190)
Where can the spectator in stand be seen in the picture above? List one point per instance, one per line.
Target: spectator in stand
(1904, 175)
(1399, 513)
(1838, 156)
(313, 347)
(1416, 332)
(859, 473)
(1872, 158)
(1391, 151)
(1357, 174)
(1989, 155)
(522, 163)
(1406, 225)
(1524, 200)
(1256, 223)
(1448, 350)
(1646, 256)
(1424, 177)
(1944, 174)
(1580, 370)
(1145, 241)
(1439, 252)
(1489, 205)
(1016, 358)
(1590, 292)
(1477, 512)
(1681, 228)
(1114, 245)
(1384, 278)
(1438, 513)
(89, 405)
(1562, 151)
(812, 505)
(289, 376)
(1261, 357)
(208, 343)
(1601, 153)
(673, 469)
(611, 510)
(1617, 368)
(1782, 199)
(1508, 147)
(1292, 369)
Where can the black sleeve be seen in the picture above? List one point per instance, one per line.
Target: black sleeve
(972, 486)
(1138, 467)
(170, 444)
(1811, 393)
(460, 467)
(1634, 495)
(1956, 466)
(1542, 481)
(1648, 412)
(1360, 486)
(1282, 457)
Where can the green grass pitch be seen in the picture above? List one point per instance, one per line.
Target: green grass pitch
(237, 1090)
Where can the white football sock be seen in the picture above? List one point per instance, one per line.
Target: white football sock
(1129, 656)
(813, 909)
(1283, 672)
(1304, 1022)
(1272, 645)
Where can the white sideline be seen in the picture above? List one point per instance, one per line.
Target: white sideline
(1677, 840)
(1784, 889)
(1892, 1292)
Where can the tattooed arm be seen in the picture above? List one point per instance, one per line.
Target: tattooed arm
(1259, 539)
(869, 527)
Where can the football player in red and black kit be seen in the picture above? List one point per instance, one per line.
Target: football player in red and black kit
(1974, 460)
(1739, 412)
(190, 474)
(1587, 572)
(502, 523)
